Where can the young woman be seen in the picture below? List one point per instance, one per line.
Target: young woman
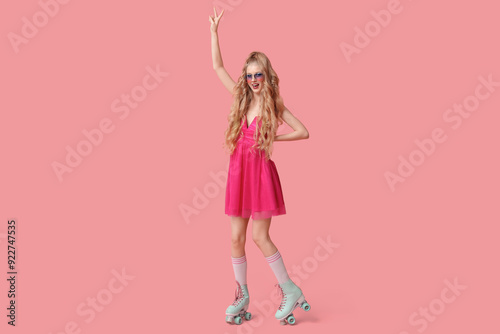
(253, 185)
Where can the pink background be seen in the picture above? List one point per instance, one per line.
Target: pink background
(121, 207)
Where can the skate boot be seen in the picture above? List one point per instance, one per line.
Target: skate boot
(238, 309)
(292, 297)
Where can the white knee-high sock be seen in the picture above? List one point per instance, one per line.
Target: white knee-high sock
(278, 267)
(240, 269)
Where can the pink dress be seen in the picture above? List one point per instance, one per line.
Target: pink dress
(253, 185)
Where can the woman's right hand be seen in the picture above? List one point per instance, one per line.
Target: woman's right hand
(215, 20)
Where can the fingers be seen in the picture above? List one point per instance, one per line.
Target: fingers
(216, 18)
(219, 17)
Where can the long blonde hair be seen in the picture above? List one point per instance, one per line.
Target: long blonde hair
(271, 112)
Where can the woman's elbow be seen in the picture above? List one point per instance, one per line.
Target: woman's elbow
(305, 135)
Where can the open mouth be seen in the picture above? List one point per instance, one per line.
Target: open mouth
(255, 86)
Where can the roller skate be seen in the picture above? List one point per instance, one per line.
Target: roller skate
(292, 297)
(238, 309)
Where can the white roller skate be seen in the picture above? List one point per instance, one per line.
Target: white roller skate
(292, 297)
(238, 309)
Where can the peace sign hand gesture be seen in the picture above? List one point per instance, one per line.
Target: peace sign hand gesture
(215, 20)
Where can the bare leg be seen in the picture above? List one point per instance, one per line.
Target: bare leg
(238, 236)
(238, 308)
(260, 235)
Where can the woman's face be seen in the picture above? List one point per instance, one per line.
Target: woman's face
(255, 77)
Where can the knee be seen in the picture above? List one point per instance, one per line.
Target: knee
(260, 239)
(238, 241)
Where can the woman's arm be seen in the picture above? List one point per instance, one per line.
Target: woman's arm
(300, 131)
(218, 65)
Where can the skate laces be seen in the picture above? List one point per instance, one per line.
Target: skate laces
(238, 295)
(283, 297)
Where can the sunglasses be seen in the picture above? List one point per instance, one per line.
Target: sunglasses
(258, 76)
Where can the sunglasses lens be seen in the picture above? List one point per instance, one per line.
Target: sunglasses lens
(258, 76)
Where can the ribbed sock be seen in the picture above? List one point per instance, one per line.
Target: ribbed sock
(278, 267)
(240, 269)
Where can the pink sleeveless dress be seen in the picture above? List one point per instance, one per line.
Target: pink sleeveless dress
(253, 186)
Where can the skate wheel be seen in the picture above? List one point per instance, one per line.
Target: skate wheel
(248, 315)
(291, 320)
(306, 307)
(238, 320)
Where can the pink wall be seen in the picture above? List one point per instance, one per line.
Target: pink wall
(409, 89)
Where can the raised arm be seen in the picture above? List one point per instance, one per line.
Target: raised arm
(218, 65)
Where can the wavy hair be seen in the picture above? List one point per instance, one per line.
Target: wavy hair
(271, 111)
